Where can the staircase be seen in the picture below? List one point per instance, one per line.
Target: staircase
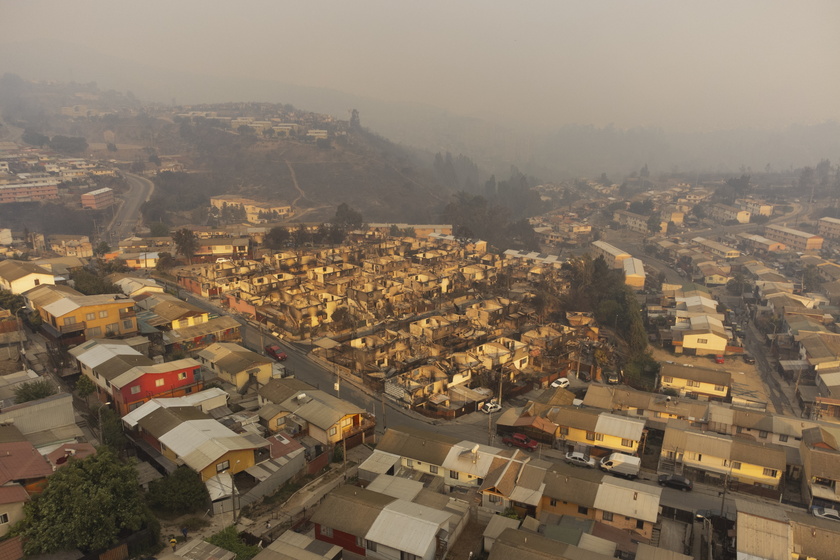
(654, 537)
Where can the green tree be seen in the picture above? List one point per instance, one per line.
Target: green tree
(10, 301)
(186, 243)
(811, 279)
(101, 249)
(229, 539)
(93, 283)
(654, 223)
(112, 430)
(85, 387)
(179, 493)
(347, 218)
(88, 504)
(158, 229)
(34, 390)
(165, 262)
(68, 144)
(34, 138)
(277, 237)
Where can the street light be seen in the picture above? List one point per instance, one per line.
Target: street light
(99, 414)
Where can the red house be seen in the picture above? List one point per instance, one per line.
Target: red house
(127, 378)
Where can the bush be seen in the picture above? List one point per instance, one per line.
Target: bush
(181, 492)
(229, 539)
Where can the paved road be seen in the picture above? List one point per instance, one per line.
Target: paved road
(128, 216)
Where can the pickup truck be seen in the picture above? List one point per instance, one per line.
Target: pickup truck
(521, 441)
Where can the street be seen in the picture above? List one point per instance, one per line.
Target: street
(128, 216)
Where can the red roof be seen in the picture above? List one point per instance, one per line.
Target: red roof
(282, 444)
(19, 460)
(13, 494)
(77, 451)
(11, 549)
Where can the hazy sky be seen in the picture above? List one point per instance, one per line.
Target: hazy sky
(677, 64)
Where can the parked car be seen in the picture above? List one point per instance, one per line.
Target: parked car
(562, 382)
(275, 352)
(825, 513)
(675, 481)
(222, 260)
(490, 407)
(719, 359)
(612, 378)
(521, 441)
(749, 358)
(579, 459)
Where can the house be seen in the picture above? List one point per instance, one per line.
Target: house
(184, 435)
(820, 454)
(45, 423)
(528, 545)
(703, 383)
(702, 335)
(374, 525)
(713, 458)
(68, 317)
(292, 545)
(582, 428)
(514, 480)
(12, 499)
(299, 408)
(127, 378)
(236, 365)
(634, 273)
(20, 276)
(20, 463)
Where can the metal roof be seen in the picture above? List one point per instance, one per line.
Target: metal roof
(350, 509)
(462, 459)
(408, 527)
(396, 487)
(379, 462)
(620, 426)
(631, 499)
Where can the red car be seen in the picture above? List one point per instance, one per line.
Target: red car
(276, 352)
(719, 359)
(521, 441)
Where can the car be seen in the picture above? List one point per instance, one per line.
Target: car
(579, 459)
(521, 441)
(276, 352)
(675, 481)
(221, 260)
(749, 358)
(719, 359)
(561, 382)
(613, 378)
(490, 407)
(825, 513)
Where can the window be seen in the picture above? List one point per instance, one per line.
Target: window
(699, 456)
(453, 475)
(69, 321)
(135, 389)
(564, 430)
(667, 379)
(494, 499)
(112, 328)
(640, 524)
(783, 438)
(599, 437)
(627, 443)
(771, 472)
(182, 376)
(583, 510)
(370, 545)
(762, 434)
(333, 431)
(128, 324)
(94, 332)
(702, 341)
(408, 556)
(326, 532)
(4, 518)
(409, 463)
(606, 516)
(692, 383)
(159, 382)
(103, 314)
(736, 465)
(553, 503)
(223, 466)
(433, 469)
(720, 388)
(590, 436)
(360, 541)
(90, 316)
(640, 411)
(281, 422)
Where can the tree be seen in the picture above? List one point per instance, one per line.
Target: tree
(34, 138)
(10, 301)
(85, 387)
(158, 229)
(654, 223)
(180, 493)
(186, 243)
(112, 432)
(68, 144)
(34, 390)
(91, 284)
(101, 249)
(347, 218)
(277, 237)
(165, 262)
(644, 172)
(811, 278)
(88, 504)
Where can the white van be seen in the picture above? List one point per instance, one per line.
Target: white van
(619, 464)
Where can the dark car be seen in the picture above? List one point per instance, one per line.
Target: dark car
(275, 352)
(675, 481)
(521, 441)
(749, 358)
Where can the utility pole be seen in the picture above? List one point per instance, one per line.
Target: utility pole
(382, 401)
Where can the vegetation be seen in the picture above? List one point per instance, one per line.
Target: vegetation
(473, 216)
(34, 390)
(186, 243)
(179, 493)
(88, 504)
(85, 387)
(10, 301)
(230, 540)
(90, 283)
(112, 431)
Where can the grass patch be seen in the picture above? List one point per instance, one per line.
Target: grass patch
(229, 539)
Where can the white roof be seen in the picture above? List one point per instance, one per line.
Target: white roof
(631, 499)
(219, 486)
(195, 399)
(188, 436)
(461, 458)
(96, 352)
(61, 307)
(620, 426)
(379, 462)
(633, 267)
(407, 527)
(396, 487)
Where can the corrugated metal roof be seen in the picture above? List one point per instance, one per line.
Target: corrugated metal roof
(462, 459)
(189, 435)
(95, 352)
(408, 527)
(350, 509)
(396, 487)
(631, 499)
(763, 538)
(421, 445)
(620, 426)
(379, 462)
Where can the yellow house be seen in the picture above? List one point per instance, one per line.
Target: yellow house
(235, 364)
(582, 427)
(695, 381)
(187, 436)
(169, 312)
(12, 499)
(68, 315)
(710, 456)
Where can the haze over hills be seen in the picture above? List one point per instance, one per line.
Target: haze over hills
(571, 150)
